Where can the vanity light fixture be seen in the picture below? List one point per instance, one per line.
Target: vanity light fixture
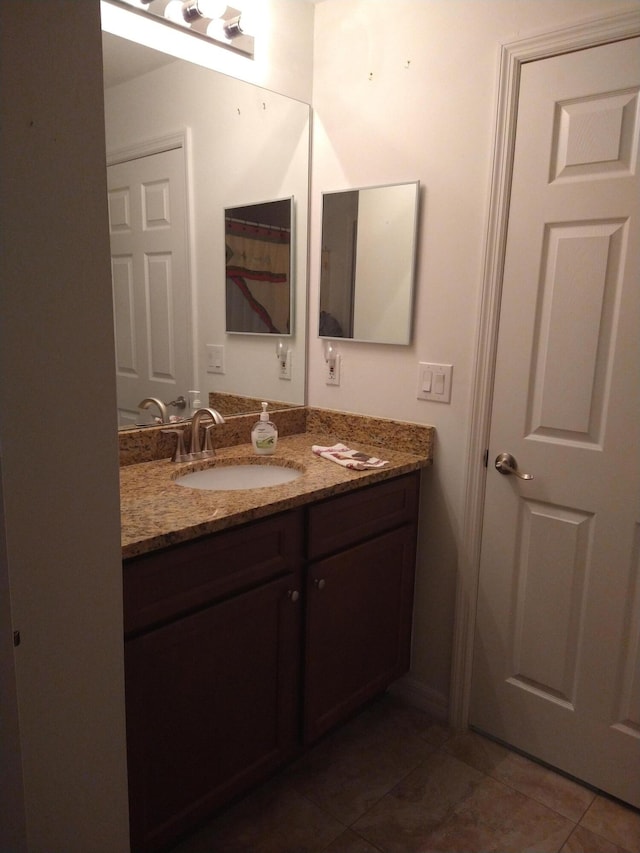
(214, 20)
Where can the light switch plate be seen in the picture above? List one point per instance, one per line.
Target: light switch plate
(434, 382)
(215, 358)
(284, 366)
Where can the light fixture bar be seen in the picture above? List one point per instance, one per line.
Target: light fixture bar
(224, 31)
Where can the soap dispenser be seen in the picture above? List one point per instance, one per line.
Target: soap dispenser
(264, 434)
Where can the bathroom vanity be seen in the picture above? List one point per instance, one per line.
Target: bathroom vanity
(245, 644)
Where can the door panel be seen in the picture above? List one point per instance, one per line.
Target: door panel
(556, 654)
(550, 568)
(151, 290)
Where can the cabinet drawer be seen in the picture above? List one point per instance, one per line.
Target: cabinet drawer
(164, 585)
(347, 519)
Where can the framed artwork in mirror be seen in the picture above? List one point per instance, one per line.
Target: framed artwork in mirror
(258, 268)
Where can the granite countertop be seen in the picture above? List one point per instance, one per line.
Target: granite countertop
(156, 512)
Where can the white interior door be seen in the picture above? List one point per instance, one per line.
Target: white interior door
(556, 668)
(151, 289)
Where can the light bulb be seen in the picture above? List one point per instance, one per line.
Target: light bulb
(330, 352)
(211, 8)
(173, 12)
(215, 30)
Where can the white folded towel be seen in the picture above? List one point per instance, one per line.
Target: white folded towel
(348, 458)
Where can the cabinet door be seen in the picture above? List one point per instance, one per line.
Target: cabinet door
(212, 707)
(358, 631)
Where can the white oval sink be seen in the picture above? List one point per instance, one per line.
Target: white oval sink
(229, 477)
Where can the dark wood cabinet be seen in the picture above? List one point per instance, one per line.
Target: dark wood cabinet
(212, 696)
(359, 599)
(235, 656)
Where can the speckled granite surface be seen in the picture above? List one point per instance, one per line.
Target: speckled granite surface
(157, 512)
(235, 404)
(151, 443)
(360, 429)
(145, 445)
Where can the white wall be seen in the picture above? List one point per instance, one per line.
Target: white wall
(60, 567)
(224, 118)
(403, 94)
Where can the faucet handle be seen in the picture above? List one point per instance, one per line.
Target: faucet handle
(208, 447)
(180, 455)
(178, 403)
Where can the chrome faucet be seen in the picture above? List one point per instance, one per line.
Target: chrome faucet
(148, 401)
(198, 416)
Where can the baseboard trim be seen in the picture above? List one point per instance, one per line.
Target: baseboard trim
(418, 695)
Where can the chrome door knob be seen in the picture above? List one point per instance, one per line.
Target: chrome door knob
(506, 464)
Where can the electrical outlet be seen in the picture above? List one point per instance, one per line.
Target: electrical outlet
(333, 371)
(215, 358)
(434, 382)
(285, 365)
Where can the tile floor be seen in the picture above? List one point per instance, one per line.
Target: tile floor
(394, 781)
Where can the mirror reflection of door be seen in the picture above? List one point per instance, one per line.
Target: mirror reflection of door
(151, 285)
(258, 268)
(368, 263)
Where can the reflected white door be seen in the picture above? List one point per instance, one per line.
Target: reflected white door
(151, 290)
(556, 668)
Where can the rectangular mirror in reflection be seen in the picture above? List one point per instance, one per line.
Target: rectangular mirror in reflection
(368, 263)
(258, 267)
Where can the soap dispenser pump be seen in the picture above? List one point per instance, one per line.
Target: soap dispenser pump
(264, 434)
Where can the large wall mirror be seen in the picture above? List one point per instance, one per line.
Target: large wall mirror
(368, 263)
(216, 143)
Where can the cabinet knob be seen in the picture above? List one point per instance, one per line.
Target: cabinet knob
(293, 594)
(320, 583)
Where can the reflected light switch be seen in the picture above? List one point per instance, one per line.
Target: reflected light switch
(215, 359)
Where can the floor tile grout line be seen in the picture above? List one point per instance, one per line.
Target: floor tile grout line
(571, 831)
